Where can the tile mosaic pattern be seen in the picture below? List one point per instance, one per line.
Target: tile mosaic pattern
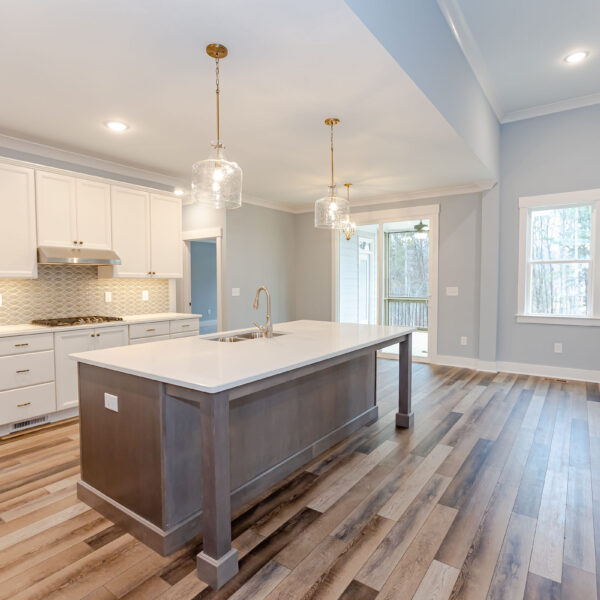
(63, 291)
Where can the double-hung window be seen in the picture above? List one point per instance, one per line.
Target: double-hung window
(559, 262)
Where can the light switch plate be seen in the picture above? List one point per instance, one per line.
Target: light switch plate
(235, 291)
(107, 296)
(558, 347)
(145, 295)
(451, 291)
(463, 340)
(111, 402)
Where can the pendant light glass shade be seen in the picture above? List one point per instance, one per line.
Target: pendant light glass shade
(331, 212)
(217, 182)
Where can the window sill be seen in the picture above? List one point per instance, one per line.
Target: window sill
(558, 320)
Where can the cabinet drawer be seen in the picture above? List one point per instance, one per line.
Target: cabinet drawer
(182, 325)
(142, 330)
(146, 340)
(23, 370)
(184, 334)
(25, 403)
(19, 344)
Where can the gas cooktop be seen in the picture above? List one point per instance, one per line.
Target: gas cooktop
(67, 321)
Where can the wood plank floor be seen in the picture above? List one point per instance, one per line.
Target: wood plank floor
(494, 494)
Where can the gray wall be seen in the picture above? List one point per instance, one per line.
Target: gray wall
(554, 153)
(260, 251)
(203, 259)
(458, 265)
(312, 283)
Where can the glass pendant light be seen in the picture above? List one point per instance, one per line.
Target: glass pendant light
(350, 227)
(216, 181)
(331, 212)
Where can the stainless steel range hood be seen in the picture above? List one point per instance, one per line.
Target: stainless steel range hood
(50, 255)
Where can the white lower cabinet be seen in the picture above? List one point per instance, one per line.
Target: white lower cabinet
(147, 340)
(80, 340)
(25, 403)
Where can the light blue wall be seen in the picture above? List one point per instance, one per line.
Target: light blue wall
(553, 153)
(203, 258)
(416, 34)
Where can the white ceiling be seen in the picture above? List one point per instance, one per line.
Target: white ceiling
(69, 65)
(517, 47)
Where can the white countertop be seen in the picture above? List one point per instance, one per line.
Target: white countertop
(202, 364)
(27, 328)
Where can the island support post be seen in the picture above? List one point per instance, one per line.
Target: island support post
(405, 415)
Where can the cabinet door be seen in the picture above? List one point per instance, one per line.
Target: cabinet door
(93, 214)
(165, 220)
(131, 231)
(110, 337)
(55, 198)
(17, 226)
(69, 342)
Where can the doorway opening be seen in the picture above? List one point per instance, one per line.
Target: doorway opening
(202, 279)
(387, 274)
(203, 283)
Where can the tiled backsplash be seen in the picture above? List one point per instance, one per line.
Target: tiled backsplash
(63, 291)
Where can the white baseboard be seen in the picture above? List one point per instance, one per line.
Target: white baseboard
(463, 362)
(549, 371)
(552, 372)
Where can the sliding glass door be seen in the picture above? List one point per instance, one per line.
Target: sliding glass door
(384, 275)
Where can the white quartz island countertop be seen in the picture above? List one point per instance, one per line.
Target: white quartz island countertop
(203, 364)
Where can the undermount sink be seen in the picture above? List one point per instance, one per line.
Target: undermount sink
(254, 335)
(242, 337)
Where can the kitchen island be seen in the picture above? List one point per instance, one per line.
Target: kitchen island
(176, 434)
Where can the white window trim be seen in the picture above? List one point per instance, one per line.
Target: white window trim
(591, 197)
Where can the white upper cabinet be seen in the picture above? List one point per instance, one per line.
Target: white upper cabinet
(165, 237)
(18, 257)
(130, 233)
(56, 209)
(72, 212)
(93, 214)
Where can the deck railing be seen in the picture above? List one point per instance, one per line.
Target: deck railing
(407, 312)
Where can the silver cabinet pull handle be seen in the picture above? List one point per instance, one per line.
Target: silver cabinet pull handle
(23, 371)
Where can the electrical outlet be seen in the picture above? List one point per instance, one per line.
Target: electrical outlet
(463, 340)
(111, 402)
(558, 347)
(107, 296)
(451, 291)
(235, 291)
(145, 295)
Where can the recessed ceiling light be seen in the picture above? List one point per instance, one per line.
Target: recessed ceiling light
(576, 57)
(117, 126)
(178, 192)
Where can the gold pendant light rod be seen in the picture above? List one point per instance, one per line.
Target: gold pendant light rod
(217, 51)
(330, 122)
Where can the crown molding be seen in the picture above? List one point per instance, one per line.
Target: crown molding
(83, 163)
(462, 32)
(548, 109)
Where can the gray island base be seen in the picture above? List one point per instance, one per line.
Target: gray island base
(174, 461)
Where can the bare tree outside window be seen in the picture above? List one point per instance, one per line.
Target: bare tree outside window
(560, 242)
